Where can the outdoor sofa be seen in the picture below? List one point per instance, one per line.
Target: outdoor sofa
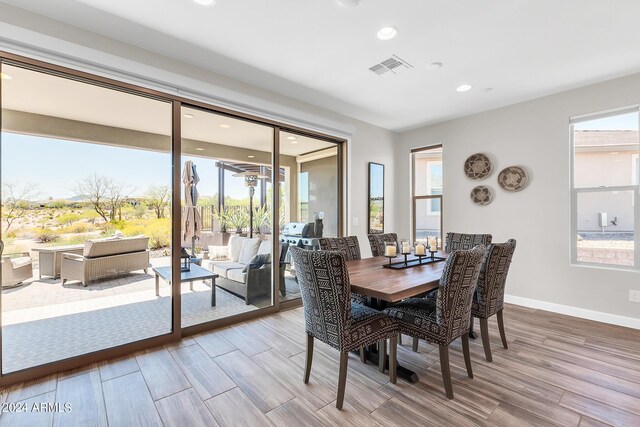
(247, 272)
(106, 257)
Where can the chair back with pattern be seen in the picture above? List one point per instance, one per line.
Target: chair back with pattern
(463, 241)
(326, 294)
(455, 293)
(377, 242)
(492, 279)
(349, 246)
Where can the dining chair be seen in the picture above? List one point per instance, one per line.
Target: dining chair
(448, 317)
(350, 248)
(489, 296)
(333, 318)
(378, 241)
(458, 241)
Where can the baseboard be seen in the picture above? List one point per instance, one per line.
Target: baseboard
(582, 313)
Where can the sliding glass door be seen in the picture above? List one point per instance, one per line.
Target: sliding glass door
(226, 228)
(130, 217)
(309, 198)
(86, 217)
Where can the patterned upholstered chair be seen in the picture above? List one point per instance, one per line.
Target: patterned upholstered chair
(489, 296)
(377, 242)
(448, 317)
(333, 318)
(458, 241)
(350, 247)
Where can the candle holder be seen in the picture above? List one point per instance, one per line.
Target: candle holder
(433, 253)
(390, 258)
(420, 258)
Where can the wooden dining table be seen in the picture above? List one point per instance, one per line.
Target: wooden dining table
(385, 286)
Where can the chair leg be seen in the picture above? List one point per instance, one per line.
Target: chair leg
(400, 339)
(446, 372)
(484, 331)
(467, 357)
(472, 333)
(307, 365)
(501, 327)
(382, 355)
(342, 378)
(414, 347)
(393, 361)
(363, 355)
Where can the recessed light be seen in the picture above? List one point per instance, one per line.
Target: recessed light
(488, 89)
(464, 87)
(225, 126)
(614, 153)
(205, 2)
(4, 76)
(434, 66)
(387, 33)
(293, 141)
(291, 138)
(200, 149)
(250, 156)
(189, 116)
(347, 3)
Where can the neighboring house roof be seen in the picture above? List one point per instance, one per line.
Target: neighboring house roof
(607, 138)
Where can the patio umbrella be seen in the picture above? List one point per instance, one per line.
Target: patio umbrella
(191, 220)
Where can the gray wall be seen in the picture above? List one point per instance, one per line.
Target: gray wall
(535, 135)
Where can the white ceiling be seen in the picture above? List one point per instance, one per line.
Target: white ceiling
(318, 52)
(49, 95)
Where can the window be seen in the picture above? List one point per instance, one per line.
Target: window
(427, 193)
(605, 190)
(434, 185)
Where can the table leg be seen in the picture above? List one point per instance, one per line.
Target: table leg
(191, 284)
(213, 292)
(157, 285)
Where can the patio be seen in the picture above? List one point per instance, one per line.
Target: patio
(101, 315)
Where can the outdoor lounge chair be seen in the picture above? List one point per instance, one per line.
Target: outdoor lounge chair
(15, 268)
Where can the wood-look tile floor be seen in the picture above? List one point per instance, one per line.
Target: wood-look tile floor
(558, 370)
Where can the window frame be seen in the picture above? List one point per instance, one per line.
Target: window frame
(575, 191)
(415, 199)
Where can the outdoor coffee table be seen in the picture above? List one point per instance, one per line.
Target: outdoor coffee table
(195, 273)
(49, 258)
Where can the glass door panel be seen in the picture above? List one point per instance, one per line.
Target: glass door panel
(86, 203)
(226, 216)
(309, 203)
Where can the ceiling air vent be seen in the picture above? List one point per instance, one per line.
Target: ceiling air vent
(393, 65)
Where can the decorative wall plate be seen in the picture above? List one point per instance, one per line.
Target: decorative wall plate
(478, 166)
(481, 195)
(513, 178)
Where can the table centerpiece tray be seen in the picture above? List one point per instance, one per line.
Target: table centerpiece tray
(414, 262)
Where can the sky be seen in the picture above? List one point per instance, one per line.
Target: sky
(621, 122)
(55, 166)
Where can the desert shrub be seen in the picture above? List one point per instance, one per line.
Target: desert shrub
(90, 215)
(133, 229)
(72, 240)
(46, 235)
(80, 227)
(159, 233)
(11, 234)
(68, 218)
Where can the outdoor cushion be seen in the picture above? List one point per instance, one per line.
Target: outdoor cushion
(258, 261)
(265, 247)
(20, 262)
(249, 250)
(222, 268)
(235, 246)
(237, 275)
(114, 246)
